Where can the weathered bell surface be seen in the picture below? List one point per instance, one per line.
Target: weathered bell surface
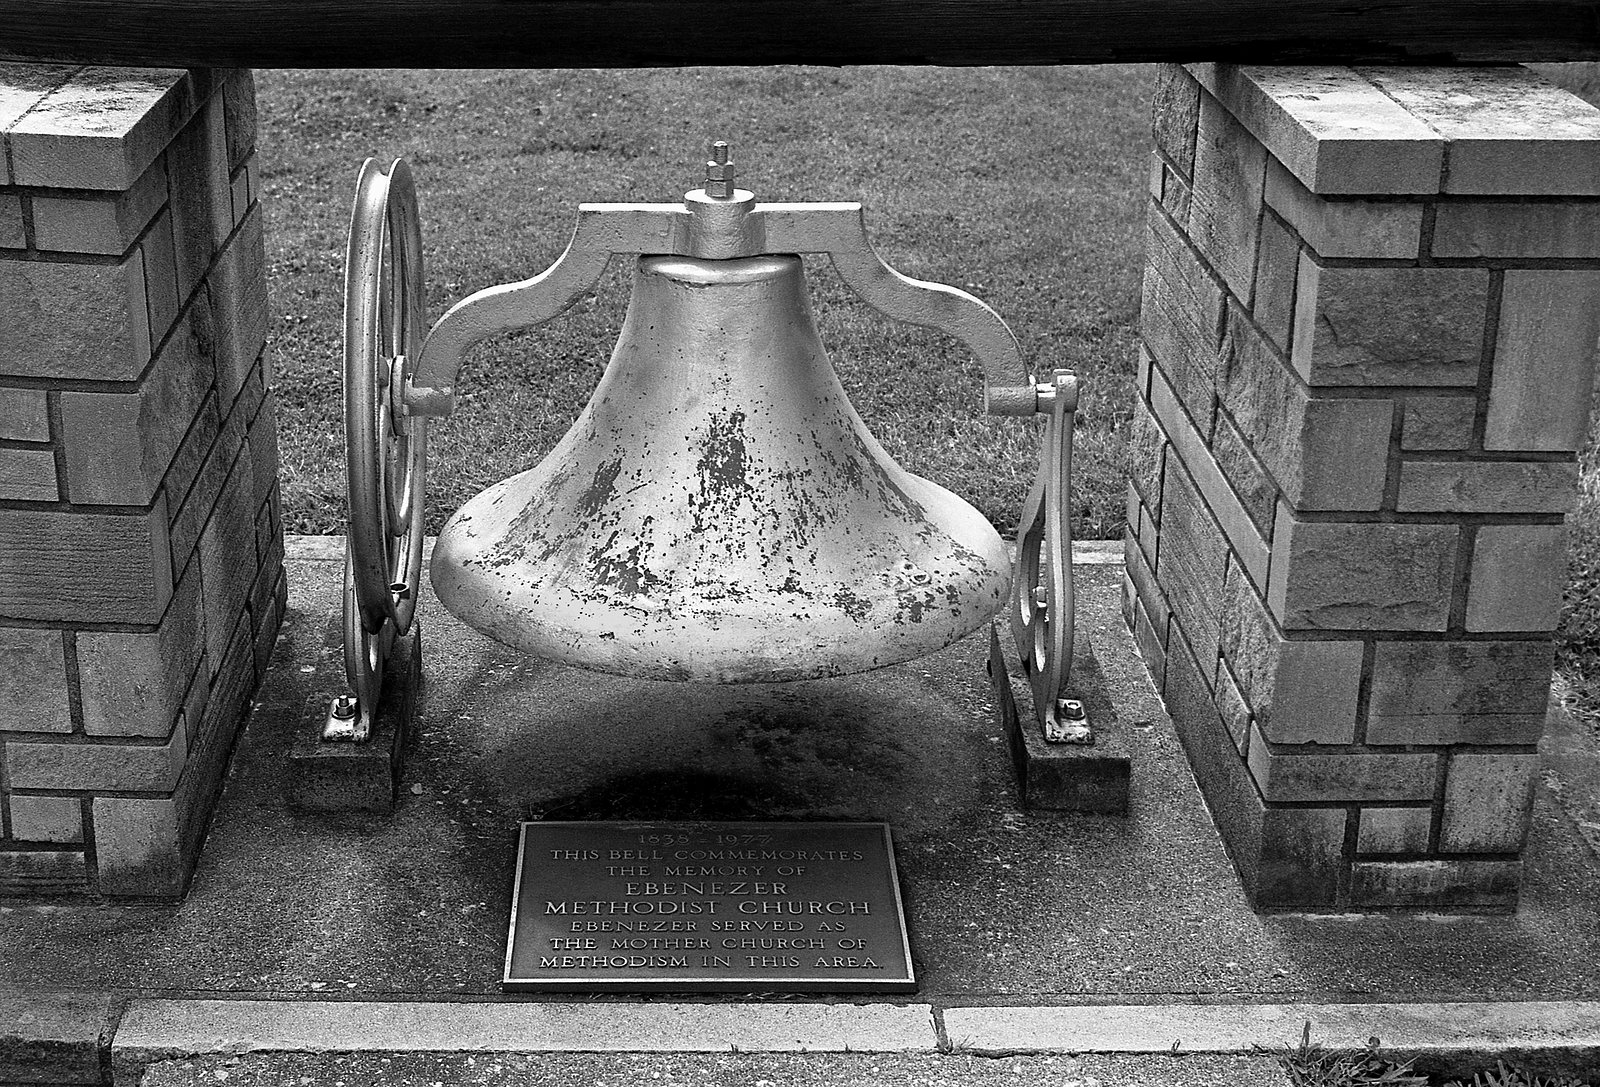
(719, 511)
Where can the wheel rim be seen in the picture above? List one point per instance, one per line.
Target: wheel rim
(385, 448)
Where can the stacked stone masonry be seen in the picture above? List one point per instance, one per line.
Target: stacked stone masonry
(1370, 312)
(141, 573)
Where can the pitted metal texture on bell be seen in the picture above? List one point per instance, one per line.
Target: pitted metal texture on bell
(719, 511)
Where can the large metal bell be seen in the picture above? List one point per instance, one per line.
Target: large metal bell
(719, 511)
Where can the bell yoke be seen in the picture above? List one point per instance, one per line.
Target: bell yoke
(719, 511)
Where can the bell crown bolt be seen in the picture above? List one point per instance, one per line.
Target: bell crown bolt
(719, 172)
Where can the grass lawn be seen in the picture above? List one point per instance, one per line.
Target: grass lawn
(1024, 185)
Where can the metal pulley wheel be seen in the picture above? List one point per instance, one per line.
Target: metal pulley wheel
(1042, 604)
(385, 446)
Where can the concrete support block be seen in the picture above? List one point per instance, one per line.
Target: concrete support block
(1398, 430)
(332, 776)
(1062, 777)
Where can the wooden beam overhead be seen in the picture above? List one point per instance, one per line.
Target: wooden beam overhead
(641, 33)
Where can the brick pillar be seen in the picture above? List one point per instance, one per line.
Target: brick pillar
(141, 574)
(1369, 319)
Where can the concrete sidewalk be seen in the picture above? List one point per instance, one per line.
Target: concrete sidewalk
(1036, 935)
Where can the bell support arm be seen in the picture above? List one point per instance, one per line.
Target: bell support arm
(601, 230)
(840, 230)
(718, 229)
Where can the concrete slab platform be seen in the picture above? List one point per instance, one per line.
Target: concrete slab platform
(1006, 908)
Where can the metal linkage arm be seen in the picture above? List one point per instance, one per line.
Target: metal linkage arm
(601, 230)
(1043, 608)
(840, 230)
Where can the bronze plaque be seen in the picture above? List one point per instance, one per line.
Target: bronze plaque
(707, 907)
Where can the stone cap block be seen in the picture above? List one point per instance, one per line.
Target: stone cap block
(21, 88)
(1416, 131)
(100, 128)
(1509, 131)
(1334, 130)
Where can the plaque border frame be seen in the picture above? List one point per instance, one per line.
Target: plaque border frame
(791, 984)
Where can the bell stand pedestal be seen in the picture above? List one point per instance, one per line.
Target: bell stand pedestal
(1091, 778)
(328, 776)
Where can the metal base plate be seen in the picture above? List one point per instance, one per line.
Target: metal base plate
(1062, 777)
(707, 907)
(326, 775)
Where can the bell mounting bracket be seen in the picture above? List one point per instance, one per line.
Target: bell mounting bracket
(720, 228)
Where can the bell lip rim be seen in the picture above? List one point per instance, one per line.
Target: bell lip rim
(733, 271)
